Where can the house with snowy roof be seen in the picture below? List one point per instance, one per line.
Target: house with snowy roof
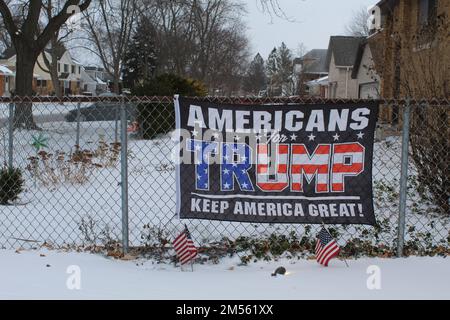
(6, 81)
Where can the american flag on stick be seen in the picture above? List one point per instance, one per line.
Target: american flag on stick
(184, 247)
(326, 247)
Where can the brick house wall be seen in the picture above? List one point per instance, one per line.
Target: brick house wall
(396, 56)
(408, 67)
(2, 85)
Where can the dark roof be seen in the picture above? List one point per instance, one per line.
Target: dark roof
(358, 60)
(344, 49)
(315, 61)
(8, 53)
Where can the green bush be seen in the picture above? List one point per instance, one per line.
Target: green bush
(159, 117)
(11, 185)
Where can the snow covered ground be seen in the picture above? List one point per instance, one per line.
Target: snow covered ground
(44, 275)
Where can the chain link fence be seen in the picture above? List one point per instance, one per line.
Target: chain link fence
(100, 172)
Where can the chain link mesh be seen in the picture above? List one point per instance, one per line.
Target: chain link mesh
(68, 155)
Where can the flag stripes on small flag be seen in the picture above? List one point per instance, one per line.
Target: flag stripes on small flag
(326, 247)
(184, 247)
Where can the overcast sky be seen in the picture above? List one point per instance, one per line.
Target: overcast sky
(316, 21)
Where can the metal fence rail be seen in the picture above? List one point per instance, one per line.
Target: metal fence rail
(100, 171)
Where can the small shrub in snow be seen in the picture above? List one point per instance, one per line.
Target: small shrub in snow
(11, 185)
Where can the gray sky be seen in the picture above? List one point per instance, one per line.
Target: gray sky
(316, 20)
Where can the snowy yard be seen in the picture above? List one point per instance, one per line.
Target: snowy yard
(43, 275)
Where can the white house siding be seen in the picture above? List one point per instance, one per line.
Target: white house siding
(368, 81)
(342, 86)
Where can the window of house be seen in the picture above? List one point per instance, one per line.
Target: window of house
(41, 83)
(66, 68)
(73, 69)
(59, 67)
(79, 70)
(427, 11)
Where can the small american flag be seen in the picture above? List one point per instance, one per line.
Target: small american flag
(326, 247)
(184, 247)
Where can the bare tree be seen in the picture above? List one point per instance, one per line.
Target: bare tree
(201, 39)
(109, 26)
(414, 64)
(358, 26)
(56, 48)
(29, 40)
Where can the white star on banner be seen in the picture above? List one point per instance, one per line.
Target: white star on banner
(336, 137)
(360, 135)
(311, 137)
(194, 132)
(293, 137)
(226, 171)
(244, 185)
(226, 186)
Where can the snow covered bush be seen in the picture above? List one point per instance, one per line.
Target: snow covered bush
(11, 185)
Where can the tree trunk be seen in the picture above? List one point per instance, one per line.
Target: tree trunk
(55, 78)
(26, 59)
(116, 81)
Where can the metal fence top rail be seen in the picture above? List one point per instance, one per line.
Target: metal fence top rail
(233, 100)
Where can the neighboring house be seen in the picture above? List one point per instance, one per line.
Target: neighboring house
(364, 73)
(103, 79)
(341, 58)
(89, 85)
(412, 49)
(309, 67)
(6, 81)
(69, 71)
(318, 88)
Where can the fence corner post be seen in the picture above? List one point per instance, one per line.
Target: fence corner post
(403, 178)
(124, 175)
(11, 136)
(78, 125)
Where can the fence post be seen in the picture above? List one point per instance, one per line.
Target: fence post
(78, 124)
(117, 115)
(124, 175)
(11, 136)
(403, 178)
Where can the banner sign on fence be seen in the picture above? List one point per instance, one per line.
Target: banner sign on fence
(293, 163)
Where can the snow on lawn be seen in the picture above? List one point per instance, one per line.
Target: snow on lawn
(54, 214)
(43, 275)
(46, 109)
